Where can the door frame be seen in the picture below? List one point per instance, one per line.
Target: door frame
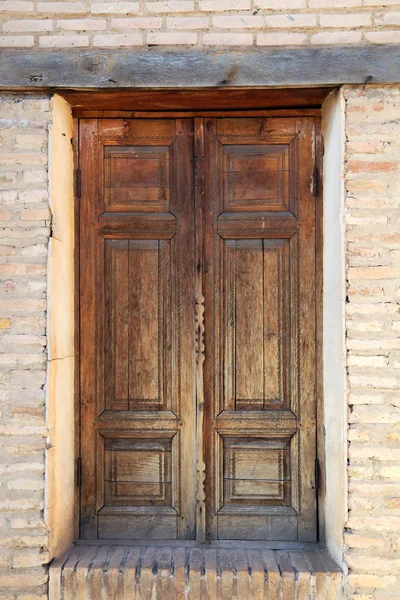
(220, 103)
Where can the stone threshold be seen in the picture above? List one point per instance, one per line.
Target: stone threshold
(193, 572)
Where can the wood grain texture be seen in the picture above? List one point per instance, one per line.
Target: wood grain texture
(319, 277)
(77, 362)
(116, 257)
(199, 382)
(255, 318)
(172, 68)
(260, 330)
(248, 317)
(306, 373)
(136, 103)
(137, 378)
(144, 324)
(88, 329)
(199, 320)
(136, 179)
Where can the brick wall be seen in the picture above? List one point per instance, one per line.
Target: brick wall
(24, 233)
(373, 326)
(201, 23)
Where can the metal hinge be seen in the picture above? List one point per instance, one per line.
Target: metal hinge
(79, 472)
(315, 181)
(316, 470)
(78, 183)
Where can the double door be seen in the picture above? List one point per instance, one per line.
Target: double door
(197, 328)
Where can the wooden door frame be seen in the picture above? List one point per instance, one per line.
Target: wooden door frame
(221, 103)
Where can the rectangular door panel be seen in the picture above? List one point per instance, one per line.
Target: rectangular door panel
(138, 494)
(256, 177)
(145, 325)
(137, 472)
(256, 471)
(256, 334)
(137, 289)
(136, 179)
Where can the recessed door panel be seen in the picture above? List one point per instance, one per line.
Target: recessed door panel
(138, 355)
(256, 315)
(137, 178)
(256, 177)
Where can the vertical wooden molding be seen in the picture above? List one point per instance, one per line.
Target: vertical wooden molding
(199, 320)
(201, 466)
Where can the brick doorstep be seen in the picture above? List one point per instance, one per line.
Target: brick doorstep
(167, 572)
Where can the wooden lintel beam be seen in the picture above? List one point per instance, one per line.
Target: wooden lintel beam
(154, 67)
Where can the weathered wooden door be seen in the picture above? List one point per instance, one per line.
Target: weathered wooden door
(195, 427)
(137, 329)
(260, 329)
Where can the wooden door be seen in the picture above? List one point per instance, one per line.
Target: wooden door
(137, 329)
(259, 371)
(197, 311)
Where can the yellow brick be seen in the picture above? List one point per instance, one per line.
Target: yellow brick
(289, 21)
(336, 37)
(30, 559)
(16, 6)
(62, 7)
(137, 23)
(281, 39)
(281, 4)
(238, 22)
(35, 215)
(383, 37)
(27, 25)
(5, 323)
(120, 39)
(371, 581)
(372, 273)
(390, 472)
(173, 6)
(387, 18)
(227, 39)
(64, 41)
(222, 5)
(82, 24)
(172, 38)
(19, 41)
(393, 503)
(115, 8)
(333, 3)
(187, 23)
(345, 20)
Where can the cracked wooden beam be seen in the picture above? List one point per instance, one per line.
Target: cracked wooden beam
(165, 68)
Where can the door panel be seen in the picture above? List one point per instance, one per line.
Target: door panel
(255, 332)
(136, 179)
(137, 330)
(180, 217)
(255, 178)
(260, 329)
(138, 292)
